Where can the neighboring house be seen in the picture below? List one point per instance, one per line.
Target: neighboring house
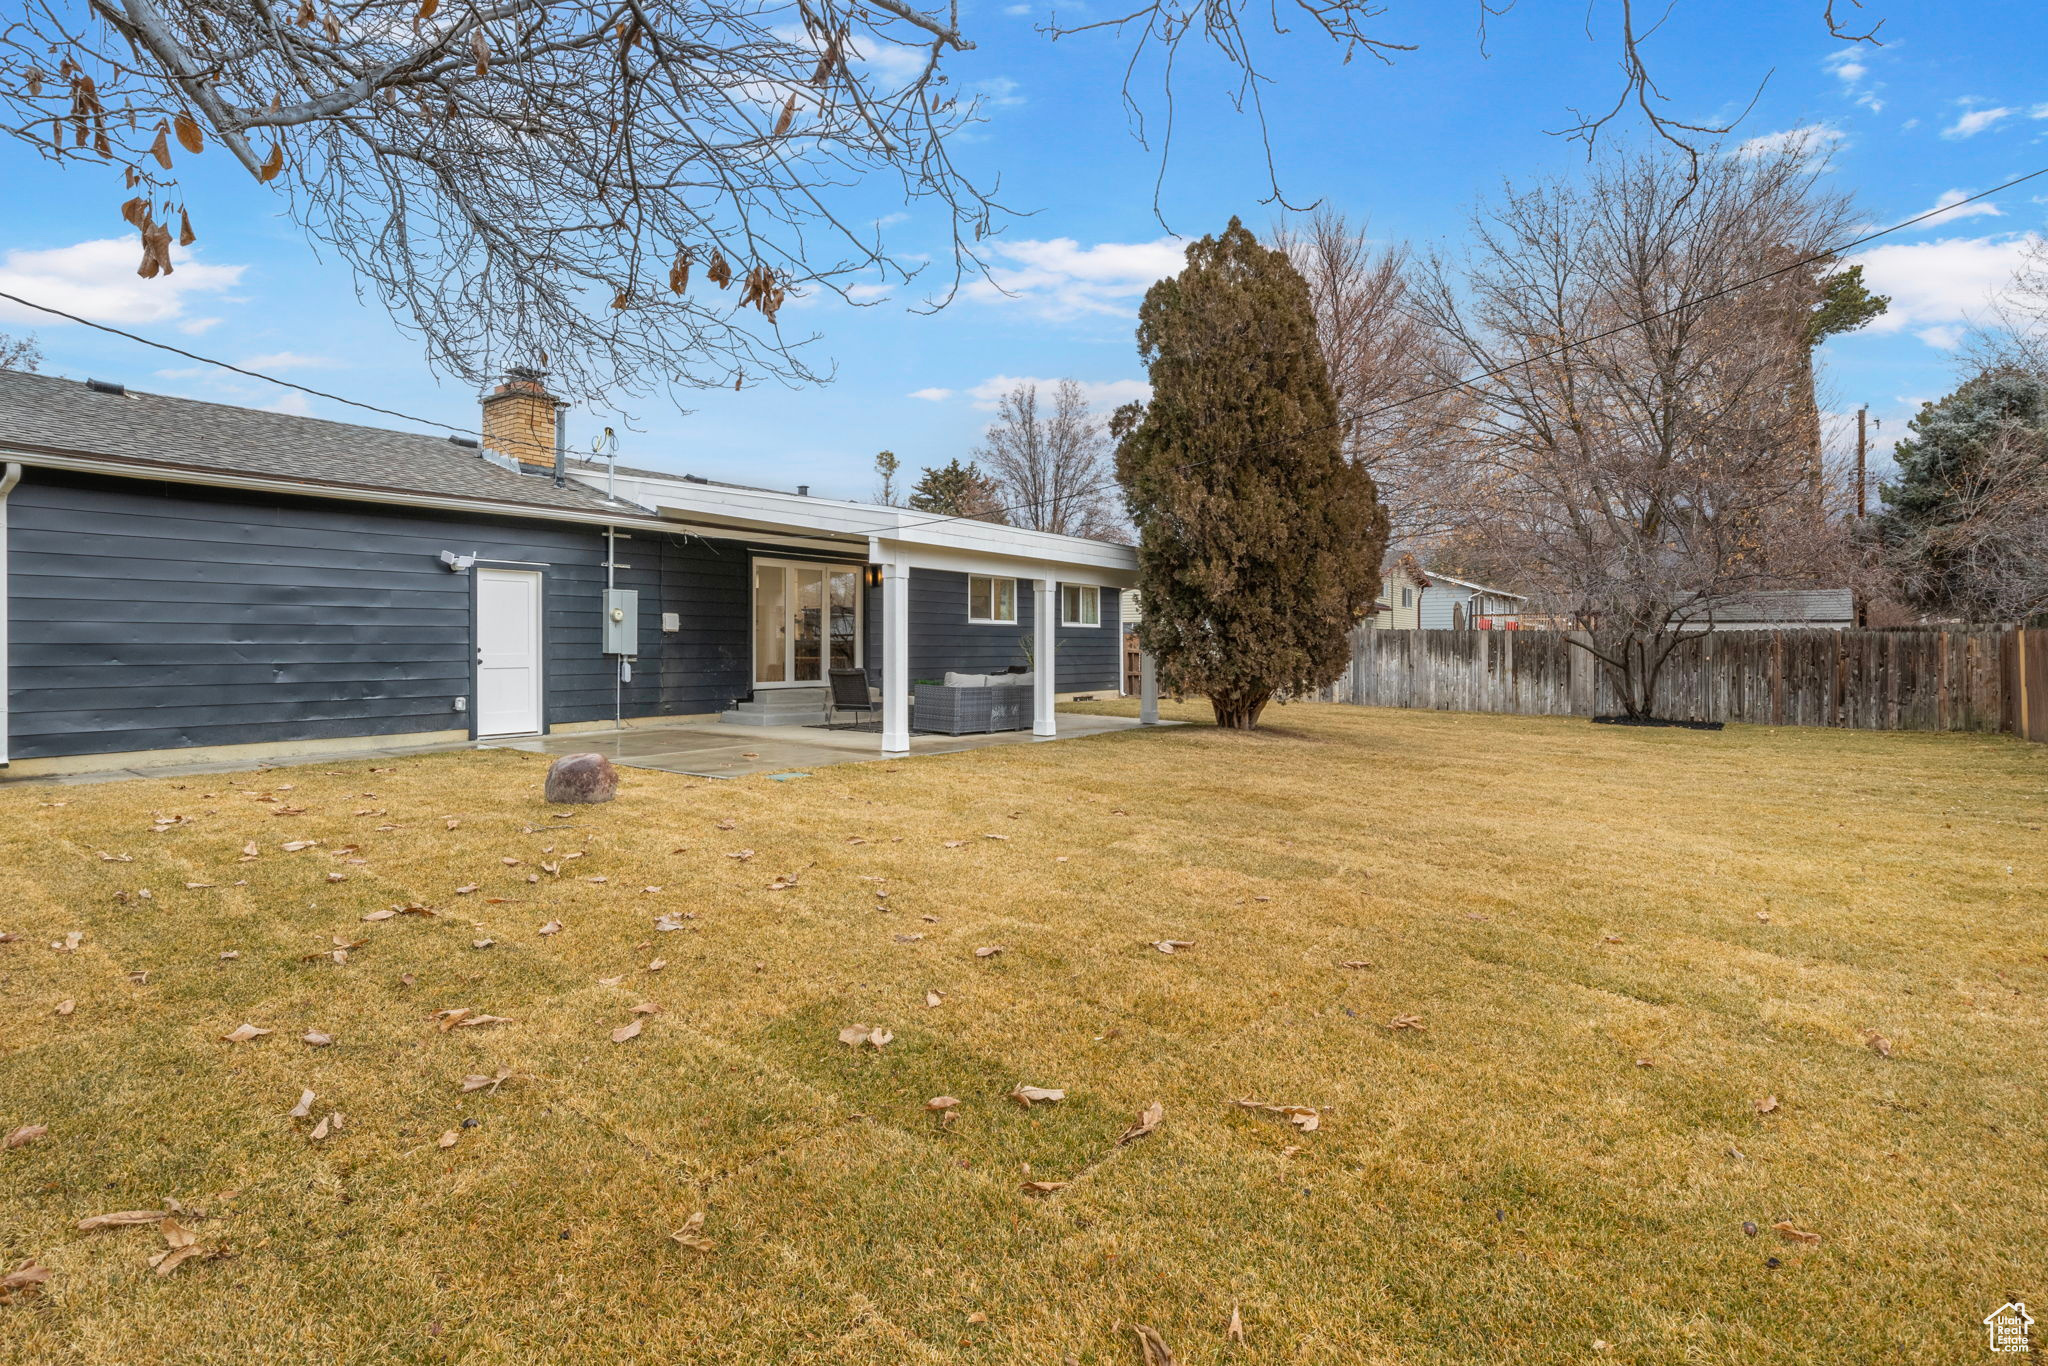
(179, 577)
(1781, 609)
(1419, 599)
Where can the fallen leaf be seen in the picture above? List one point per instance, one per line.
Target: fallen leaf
(741, 854)
(1303, 1117)
(647, 1008)
(1354, 963)
(26, 1134)
(1235, 1332)
(1149, 1119)
(242, 1033)
(690, 1234)
(552, 927)
(66, 1006)
(27, 1276)
(1793, 1233)
(977, 1317)
(476, 1081)
(1153, 1346)
(481, 943)
(1610, 939)
(476, 1020)
(331, 1124)
(465, 891)
(988, 952)
(1027, 1096)
(379, 915)
(448, 1138)
(1878, 1044)
(909, 938)
(955, 844)
(1172, 945)
(1044, 1187)
(316, 1039)
(932, 998)
(1766, 1105)
(940, 1103)
(304, 1108)
(293, 846)
(127, 1218)
(625, 1032)
(856, 1035)
(1406, 1022)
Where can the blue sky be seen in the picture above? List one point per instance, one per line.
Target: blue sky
(1955, 101)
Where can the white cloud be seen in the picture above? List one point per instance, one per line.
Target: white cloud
(1937, 286)
(288, 360)
(1946, 213)
(932, 395)
(1975, 121)
(97, 280)
(1017, 9)
(998, 92)
(292, 402)
(1849, 66)
(195, 327)
(1946, 337)
(1812, 140)
(1101, 394)
(2039, 111)
(1060, 278)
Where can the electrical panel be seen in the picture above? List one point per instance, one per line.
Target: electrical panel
(621, 621)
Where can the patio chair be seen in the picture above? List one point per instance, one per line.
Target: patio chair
(850, 693)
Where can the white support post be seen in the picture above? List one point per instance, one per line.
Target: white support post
(895, 657)
(1148, 690)
(1045, 604)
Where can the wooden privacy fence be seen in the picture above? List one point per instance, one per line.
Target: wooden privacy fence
(1965, 678)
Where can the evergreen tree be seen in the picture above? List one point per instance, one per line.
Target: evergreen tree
(1259, 544)
(886, 465)
(1966, 523)
(957, 490)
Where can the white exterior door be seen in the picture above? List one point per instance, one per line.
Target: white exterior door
(508, 655)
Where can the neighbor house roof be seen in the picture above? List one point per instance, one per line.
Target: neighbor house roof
(1435, 577)
(41, 415)
(1782, 607)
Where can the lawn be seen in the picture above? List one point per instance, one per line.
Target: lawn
(1652, 977)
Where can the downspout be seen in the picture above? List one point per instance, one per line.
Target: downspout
(611, 581)
(8, 479)
(561, 445)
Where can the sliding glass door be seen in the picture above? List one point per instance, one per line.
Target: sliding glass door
(806, 620)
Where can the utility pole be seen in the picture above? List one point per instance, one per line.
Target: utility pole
(1862, 445)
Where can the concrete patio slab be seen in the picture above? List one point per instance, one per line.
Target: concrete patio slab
(710, 750)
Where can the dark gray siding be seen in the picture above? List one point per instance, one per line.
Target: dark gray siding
(158, 616)
(942, 638)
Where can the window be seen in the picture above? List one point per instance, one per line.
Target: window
(991, 600)
(1407, 597)
(1080, 605)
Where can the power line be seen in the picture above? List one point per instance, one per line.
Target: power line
(209, 360)
(1452, 387)
(1823, 255)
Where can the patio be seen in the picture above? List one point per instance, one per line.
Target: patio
(706, 749)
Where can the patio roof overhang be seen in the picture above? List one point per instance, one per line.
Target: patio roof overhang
(882, 535)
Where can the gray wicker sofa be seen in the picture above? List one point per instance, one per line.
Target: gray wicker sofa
(970, 704)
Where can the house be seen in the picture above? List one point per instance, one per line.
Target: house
(184, 580)
(1419, 599)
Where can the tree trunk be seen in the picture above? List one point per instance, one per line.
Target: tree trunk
(1239, 712)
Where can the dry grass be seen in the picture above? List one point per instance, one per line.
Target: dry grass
(1506, 1184)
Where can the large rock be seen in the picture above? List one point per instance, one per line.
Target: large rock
(582, 778)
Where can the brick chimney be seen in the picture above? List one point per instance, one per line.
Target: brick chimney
(519, 419)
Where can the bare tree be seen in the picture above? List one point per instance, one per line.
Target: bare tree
(1381, 371)
(1637, 443)
(886, 466)
(1993, 542)
(607, 187)
(19, 353)
(1052, 466)
(558, 181)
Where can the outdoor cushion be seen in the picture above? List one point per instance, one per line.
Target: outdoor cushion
(954, 680)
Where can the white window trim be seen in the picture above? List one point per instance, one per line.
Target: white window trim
(860, 617)
(1080, 588)
(993, 598)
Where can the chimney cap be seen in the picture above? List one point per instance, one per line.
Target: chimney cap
(528, 372)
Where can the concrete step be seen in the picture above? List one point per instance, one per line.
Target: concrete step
(779, 707)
